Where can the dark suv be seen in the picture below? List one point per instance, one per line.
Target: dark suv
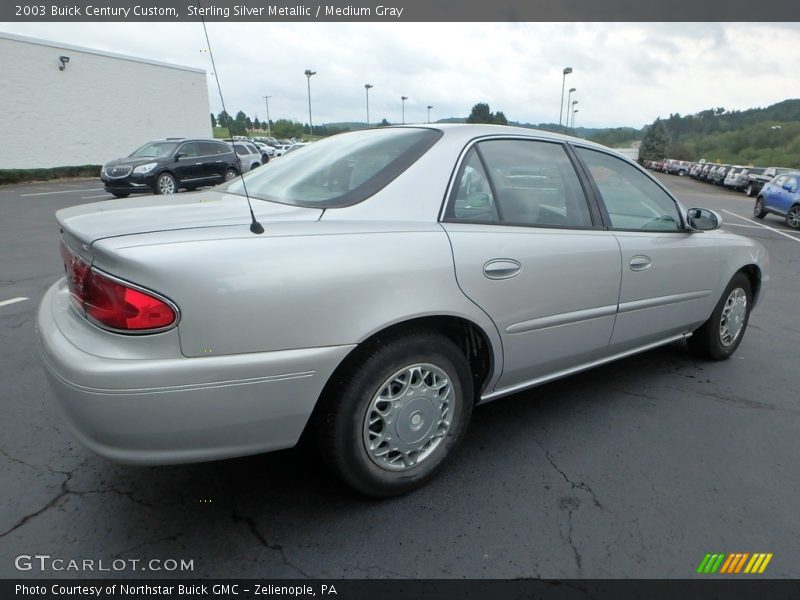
(164, 166)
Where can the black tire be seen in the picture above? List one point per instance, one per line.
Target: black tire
(120, 194)
(347, 400)
(264, 159)
(164, 183)
(230, 174)
(758, 210)
(706, 341)
(793, 217)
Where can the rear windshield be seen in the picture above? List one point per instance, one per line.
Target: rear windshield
(338, 171)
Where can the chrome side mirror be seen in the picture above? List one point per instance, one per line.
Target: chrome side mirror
(702, 219)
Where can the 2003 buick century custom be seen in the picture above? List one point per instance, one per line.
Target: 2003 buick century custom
(403, 275)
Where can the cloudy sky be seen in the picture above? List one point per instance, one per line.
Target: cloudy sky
(626, 74)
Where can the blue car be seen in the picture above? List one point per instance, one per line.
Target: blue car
(781, 196)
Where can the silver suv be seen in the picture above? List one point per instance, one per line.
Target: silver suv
(249, 156)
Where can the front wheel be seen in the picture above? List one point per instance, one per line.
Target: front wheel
(759, 212)
(720, 336)
(230, 174)
(793, 217)
(166, 184)
(388, 424)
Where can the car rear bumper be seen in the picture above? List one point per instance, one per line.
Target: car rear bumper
(174, 410)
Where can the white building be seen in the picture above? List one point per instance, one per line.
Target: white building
(65, 105)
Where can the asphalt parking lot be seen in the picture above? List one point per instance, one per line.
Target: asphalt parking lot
(636, 469)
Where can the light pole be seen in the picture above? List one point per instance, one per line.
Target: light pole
(574, 112)
(567, 71)
(403, 101)
(569, 97)
(309, 73)
(772, 145)
(368, 87)
(266, 99)
(429, 112)
(574, 102)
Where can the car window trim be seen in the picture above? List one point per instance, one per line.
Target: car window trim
(607, 217)
(452, 189)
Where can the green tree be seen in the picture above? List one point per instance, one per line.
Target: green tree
(481, 113)
(384, 123)
(223, 119)
(655, 143)
(256, 123)
(213, 120)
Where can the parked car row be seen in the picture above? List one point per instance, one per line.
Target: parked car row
(774, 188)
(172, 164)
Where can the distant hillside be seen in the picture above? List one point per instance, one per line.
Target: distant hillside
(761, 136)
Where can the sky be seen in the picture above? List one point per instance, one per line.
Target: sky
(625, 74)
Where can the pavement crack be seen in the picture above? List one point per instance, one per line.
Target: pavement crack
(581, 485)
(65, 491)
(253, 527)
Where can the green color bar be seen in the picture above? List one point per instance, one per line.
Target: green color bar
(703, 563)
(718, 563)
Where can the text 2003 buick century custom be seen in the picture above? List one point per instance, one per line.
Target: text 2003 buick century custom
(404, 274)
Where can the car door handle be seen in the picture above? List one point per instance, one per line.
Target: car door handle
(640, 263)
(501, 268)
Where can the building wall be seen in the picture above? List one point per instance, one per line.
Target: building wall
(101, 106)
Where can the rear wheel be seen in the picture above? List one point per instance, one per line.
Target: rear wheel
(230, 174)
(388, 424)
(720, 336)
(759, 212)
(166, 184)
(793, 217)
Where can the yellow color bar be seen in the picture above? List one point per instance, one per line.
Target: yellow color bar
(765, 563)
(754, 562)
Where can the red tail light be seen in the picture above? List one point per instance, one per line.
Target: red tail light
(112, 303)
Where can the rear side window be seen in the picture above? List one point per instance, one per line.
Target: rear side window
(632, 199)
(533, 183)
(340, 170)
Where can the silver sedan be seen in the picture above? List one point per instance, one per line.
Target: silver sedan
(385, 282)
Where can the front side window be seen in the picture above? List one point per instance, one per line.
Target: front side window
(340, 170)
(633, 200)
(533, 183)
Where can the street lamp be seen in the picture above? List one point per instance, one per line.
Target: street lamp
(368, 87)
(269, 129)
(574, 112)
(567, 71)
(569, 97)
(308, 74)
(574, 102)
(772, 146)
(429, 113)
(403, 101)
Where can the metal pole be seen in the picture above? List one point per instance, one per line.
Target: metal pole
(567, 71)
(269, 129)
(574, 102)
(429, 113)
(367, 86)
(308, 74)
(574, 112)
(403, 102)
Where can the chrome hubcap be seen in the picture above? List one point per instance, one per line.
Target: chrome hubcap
(733, 315)
(794, 218)
(409, 417)
(229, 175)
(166, 185)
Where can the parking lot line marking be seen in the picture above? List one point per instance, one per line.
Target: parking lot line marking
(60, 192)
(12, 301)
(102, 196)
(741, 225)
(778, 231)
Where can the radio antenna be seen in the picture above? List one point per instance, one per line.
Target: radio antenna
(255, 226)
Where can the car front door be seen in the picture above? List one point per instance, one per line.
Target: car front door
(670, 275)
(530, 251)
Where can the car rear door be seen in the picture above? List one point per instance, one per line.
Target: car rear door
(670, 276)
(529, 249)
